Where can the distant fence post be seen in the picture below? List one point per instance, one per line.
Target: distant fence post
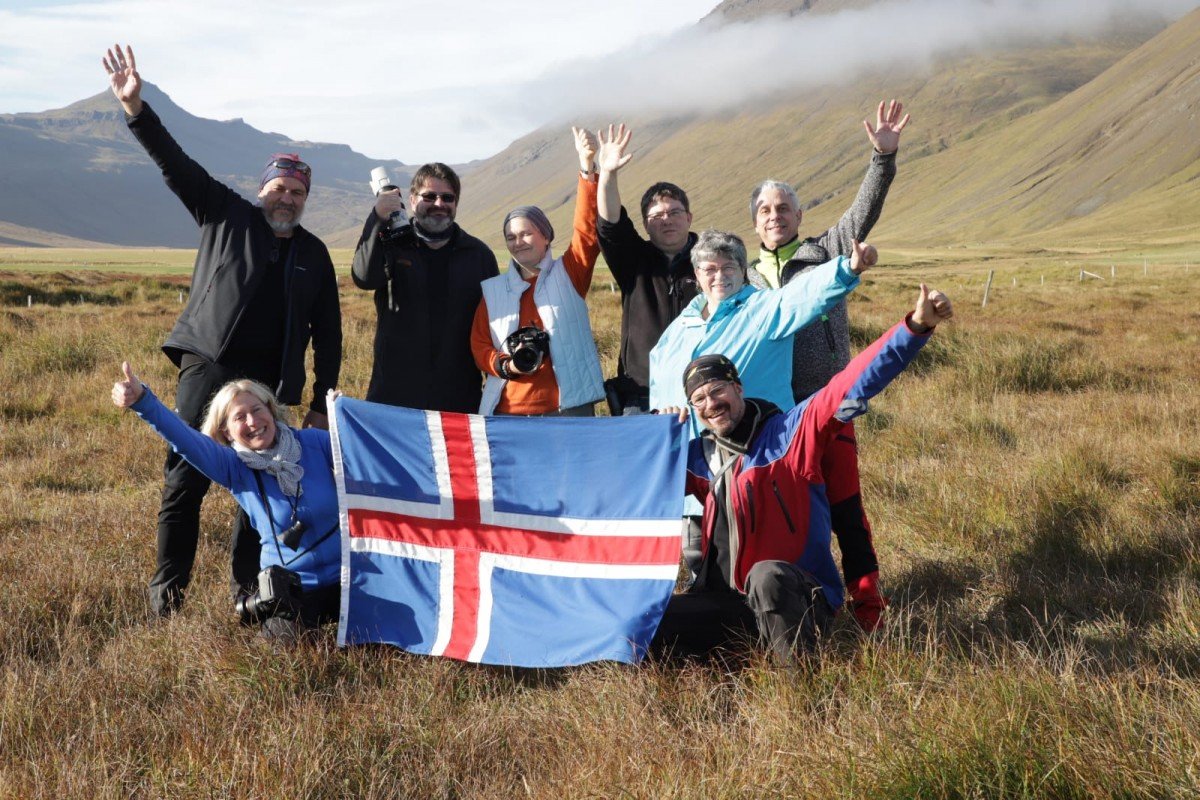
(29, 301)
(181, 298)
(988, 288)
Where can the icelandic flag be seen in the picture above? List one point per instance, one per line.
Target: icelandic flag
(530, 542)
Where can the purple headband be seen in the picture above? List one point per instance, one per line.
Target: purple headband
(286, 165)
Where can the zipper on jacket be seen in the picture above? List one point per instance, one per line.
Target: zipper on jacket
(750, 506)
(783, 507)
(829, 336)
(289, 280)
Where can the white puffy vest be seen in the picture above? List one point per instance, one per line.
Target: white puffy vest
(565, 317)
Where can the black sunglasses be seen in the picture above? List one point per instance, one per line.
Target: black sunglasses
(287, 163)
(433, 197)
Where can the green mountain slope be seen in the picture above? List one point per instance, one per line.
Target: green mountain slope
(1072, 137)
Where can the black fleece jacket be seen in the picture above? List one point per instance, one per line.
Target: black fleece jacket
(237, 247)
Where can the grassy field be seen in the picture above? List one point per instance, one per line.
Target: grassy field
(1034, 484)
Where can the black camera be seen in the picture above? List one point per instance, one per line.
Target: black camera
(278, 595)
(527, 346)
(399, 229)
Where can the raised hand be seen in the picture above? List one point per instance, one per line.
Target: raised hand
(932, 307)
(885, 136)
(864, 257)
(127, 392)
(586, 146)
(124, 77)
(612, 155)
(387, 203)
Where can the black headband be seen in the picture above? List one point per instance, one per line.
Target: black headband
(708, 368)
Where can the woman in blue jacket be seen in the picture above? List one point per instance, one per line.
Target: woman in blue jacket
(281, 476)
(752, 328)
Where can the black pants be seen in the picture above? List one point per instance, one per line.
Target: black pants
(624, 396)
(183, 491)
(784, 608)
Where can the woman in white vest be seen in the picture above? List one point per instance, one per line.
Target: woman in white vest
(531, 335)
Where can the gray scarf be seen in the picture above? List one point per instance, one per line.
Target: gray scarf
(282, 460)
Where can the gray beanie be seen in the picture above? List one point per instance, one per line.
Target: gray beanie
(534, 215)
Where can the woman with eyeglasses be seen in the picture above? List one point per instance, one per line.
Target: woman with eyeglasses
(281, 477)
(532, 336)
(752, 328)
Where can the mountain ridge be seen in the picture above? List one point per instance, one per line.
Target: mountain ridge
(1074, 137)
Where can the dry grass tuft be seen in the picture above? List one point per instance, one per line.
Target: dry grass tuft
(1034, 482)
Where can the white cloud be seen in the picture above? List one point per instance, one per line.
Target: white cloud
(398, 80)
(461, 79)
(718, 66)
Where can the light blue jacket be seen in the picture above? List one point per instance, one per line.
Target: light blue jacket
(753, 329)
(318, 561)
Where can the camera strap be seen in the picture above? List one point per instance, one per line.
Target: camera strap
(262, 493)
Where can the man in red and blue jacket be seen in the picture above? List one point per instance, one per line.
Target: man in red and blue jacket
(765, 562)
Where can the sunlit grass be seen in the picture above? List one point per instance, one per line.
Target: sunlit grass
(1034, 485)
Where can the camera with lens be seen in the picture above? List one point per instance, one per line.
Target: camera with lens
(278, 595)
(527, 346)
(399, 227)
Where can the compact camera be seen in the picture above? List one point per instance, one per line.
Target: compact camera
(527, 346)
(278, 595)
(399, 227)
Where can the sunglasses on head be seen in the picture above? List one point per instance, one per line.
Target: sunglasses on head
(290, 163)
(433, 197)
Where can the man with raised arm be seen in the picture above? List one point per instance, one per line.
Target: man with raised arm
(823, 348)
(655, 276)
(765, 561)
(262, 288)
(427, 287)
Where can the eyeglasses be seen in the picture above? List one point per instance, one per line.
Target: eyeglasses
(288, 163)
(702, 400)
(727, 269)
(433, 197)
(663, 216)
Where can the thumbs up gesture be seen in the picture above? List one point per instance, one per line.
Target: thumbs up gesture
(863, 257)
(932, 307)
(127, 392)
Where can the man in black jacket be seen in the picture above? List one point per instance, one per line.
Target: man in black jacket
(426, 288)
(655, 276)
(262, 287)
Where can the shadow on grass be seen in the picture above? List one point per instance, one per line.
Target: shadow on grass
(62, 289)
(1059, 593)
(14, 293)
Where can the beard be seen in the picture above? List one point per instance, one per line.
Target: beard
(434, 224)
(282, 225)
